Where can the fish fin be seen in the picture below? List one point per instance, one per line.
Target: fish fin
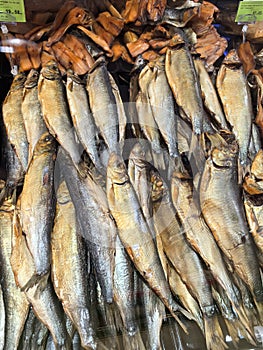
(101, 346)
(245, 324)
(213, 334)
(39, 280)
(196, 155)
(250, 338)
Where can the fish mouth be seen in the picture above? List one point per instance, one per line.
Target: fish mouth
(222, 165)
(120, 183)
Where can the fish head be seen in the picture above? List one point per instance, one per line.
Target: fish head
(138, 65)
(116, 170)
(46, 143)
(32, 79)
(18, 81)
(50, 70)
(73, 79)
(181, 180)
(232, 58)
(224, 157)
(137, 155)
(177, 41)
(62, 194)
(252, 186)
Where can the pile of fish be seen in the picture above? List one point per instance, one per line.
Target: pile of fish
(120, 216)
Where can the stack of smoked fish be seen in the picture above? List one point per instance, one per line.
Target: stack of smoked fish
(119, 215)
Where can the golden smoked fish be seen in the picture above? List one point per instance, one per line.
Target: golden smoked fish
(209, 94)
(181, 291)
(103, 104)
(125, 299)
(154, 309)
(235, 97)
(68, 254)
(177, 249)
(140, 179)
(184, 83)
(122, 118)
(95, 222)
(221, 202)
(14, 170)
(144, 111)
(51, 92)
(13, 119)
(147, 122)
(163, 105)
(178, 252)
(81, 115)
(41, 294)
(32, 113)
(196, 231)
(37, 203)
(16, 305)
(134, 232)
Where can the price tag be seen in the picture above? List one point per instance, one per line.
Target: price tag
(249, 11)
(12, 11)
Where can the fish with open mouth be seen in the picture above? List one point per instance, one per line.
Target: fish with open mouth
(184, 83)
(32, 113)
(237, 103)
(95, 221)
(219, 190)
(52, 97)
(37, 204)
(15, 127)
(135, 234)
(103, 104)
(81, 115)
(68, 253)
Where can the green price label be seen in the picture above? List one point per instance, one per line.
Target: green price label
(249, 11)
(12, 11)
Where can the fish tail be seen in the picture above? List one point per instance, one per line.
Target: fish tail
(6, 193)
(232, 330)
(213, 334)
(259, 309)
(245, 324)
(174, 307)
(39, 280)
(132, 342)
